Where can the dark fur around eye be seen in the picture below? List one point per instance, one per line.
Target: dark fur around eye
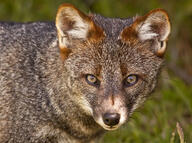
(96, 83)
(128, 84)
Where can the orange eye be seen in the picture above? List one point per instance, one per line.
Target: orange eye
(92, 80)
(130, 80)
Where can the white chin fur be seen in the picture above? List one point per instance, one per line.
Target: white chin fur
(111, 128)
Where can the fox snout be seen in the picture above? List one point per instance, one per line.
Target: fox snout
(111, 114)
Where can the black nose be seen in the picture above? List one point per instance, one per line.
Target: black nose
(111, 119)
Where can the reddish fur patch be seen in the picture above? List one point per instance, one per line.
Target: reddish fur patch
(112, 99)
(98, 71)
(123, 69)
(64, 52)
(130, 33)
(95, 33)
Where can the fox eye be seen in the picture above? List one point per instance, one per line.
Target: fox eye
(130, 80)
(92, 80)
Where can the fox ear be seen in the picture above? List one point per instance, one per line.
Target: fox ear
(73, 24)
(153, 26)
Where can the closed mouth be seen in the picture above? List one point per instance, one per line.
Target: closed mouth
(110, 128)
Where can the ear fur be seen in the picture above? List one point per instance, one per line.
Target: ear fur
(73, 24)
(153, 26)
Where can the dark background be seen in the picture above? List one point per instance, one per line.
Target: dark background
(155, 122)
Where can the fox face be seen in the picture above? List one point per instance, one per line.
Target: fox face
(113, 64)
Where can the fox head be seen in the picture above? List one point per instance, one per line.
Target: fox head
(113, 63)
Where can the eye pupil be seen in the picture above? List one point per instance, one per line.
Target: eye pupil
(130, 80)
(92, 80)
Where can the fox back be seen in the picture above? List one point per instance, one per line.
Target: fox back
(70, 82)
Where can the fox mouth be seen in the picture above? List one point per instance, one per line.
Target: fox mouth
(110, 128)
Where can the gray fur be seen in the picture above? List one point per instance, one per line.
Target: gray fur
(112, 26)
(40, 95)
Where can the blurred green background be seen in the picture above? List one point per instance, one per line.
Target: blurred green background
(155, 121)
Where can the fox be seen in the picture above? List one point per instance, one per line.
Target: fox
(71, 80)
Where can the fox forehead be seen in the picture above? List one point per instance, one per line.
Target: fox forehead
(113, 57)
(114, 51)
(112, 26)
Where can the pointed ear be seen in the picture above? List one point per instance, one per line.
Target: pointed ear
(153, 26)
(73, 24)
